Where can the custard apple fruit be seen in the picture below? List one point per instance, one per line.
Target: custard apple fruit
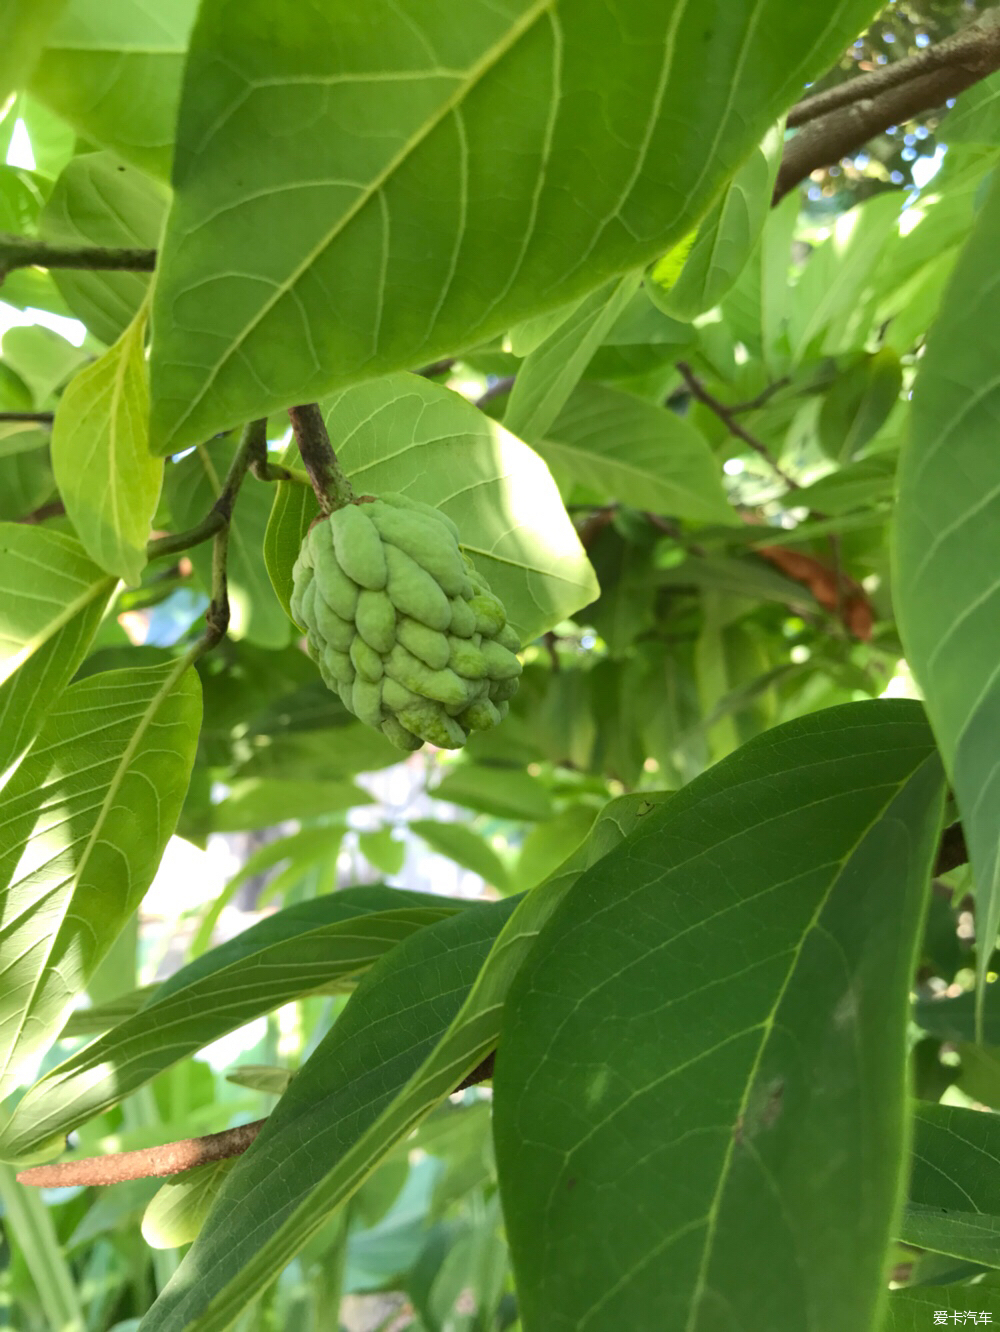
(401, 625)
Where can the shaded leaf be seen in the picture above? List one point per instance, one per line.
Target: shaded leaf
(261, 802)
(112, 68)
(465, 847)
(741, 1128)
(508, 793)
(945, 577)
(101, 200)
(25, 25)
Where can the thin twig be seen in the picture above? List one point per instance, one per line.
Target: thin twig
(969, 48)
(26, 252)
(725, 415)
(333, 490)
(54, 509)
(221, 511)
(436, 368)
(762, 398)
(151, 1162)
(496, 390)
(37, 418)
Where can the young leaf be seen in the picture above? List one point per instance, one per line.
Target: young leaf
(643, 455)
(113, 70)
(728, 234)
(178, 1211)
(296, 254)
(294, 952)
(101, 200)
(108, 480)
(26, 24)
(552, 371)
(945, 583)
(53, 599)
(86, 817)
(701, 1067)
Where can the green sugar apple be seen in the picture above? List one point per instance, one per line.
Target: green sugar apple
(401, 625)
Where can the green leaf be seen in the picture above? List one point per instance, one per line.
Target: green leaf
(112, 68)
(859, 403)
(394, 1054)
(294, 952)
(973, 1236)
(25, 473)
(94, 1019)
(382, 850)
(858, 485)
(945, 556)
(728, 234)
(701, 1066)
(640, 454)
(108, 480)
(192, 487)
(53, 598)
(465, 847)
(261, 1077)
(954, 1192)
(86, 817)
(260, 802)
(296, 255)
(552, 371)
(975, 118)
(954, 1018)
(101, 200)
(407, 435)
(42, 359)
(507, 793)
(25, 25)
(548, 845)
(178, 1210)
(29, 1226)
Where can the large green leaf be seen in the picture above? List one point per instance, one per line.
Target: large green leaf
(465, 847)
(946, 553)
(553, 369)
(297, 256)
(292, 953)
(700, 1080)
(913, 1310)
(633, 451)
(112, 68)
(192, 486)
(101, 200)
(52, 598)
(405, 434)
(86, 817)
(108, 479)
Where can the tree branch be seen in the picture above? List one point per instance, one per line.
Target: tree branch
(173, 1157)
(972, 47)
(725, 415)
(333, 490)
(36, 418)
(826, 138)
(151, 1162)
(26, 252)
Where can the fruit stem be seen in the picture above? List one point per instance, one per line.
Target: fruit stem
(333, 490)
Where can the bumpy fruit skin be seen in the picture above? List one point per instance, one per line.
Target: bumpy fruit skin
(401, 624)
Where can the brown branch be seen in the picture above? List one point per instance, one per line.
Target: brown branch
(762, 398)
(173, 1157)
(333, 490)
(969, 48)
(54, 509)
(151, 1162)
(725, 415)
(828, 138)
(496, 390)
